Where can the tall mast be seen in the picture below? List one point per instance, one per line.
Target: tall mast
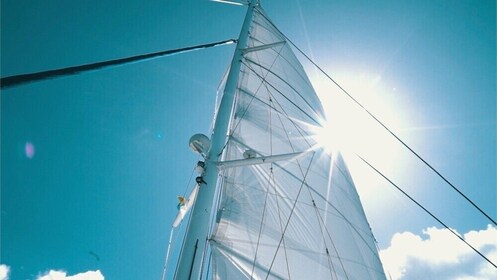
(194, 248)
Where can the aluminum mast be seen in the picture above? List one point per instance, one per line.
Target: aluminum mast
(194, 248)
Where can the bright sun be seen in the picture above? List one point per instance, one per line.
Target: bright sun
(348, 127)
(350, 130)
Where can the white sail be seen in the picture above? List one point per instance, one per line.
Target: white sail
(292, 210)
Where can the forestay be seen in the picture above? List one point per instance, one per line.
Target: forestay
(297, 216)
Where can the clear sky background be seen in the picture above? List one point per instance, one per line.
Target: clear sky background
(91, 164)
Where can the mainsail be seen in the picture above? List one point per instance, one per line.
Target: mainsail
(283, 207)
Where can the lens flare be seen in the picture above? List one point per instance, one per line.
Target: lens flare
(29, 150)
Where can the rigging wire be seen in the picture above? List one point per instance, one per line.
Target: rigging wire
(272, 177)
(167, 253)
(263, 80)
(322, 224)
(17, 80)
(290, 215)
(280, 220)
(401, 141)
(266, 83)
(304, 137)
(412, 151)
(330, 262)
(170, 242)
(427, 211)
(267, 189)
(300, 167)
(189, 181)
(261, 227)
(270, 182)
(386, 128)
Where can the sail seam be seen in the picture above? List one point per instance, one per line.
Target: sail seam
(282, 112)
(264, 83)
(272, 177)
(285, 82)
(260, 232)
(330, 263)
(287, 98)
(283, 37)
(338, 211)
(253, 96)
(290, 216)
(329, 236)
(339, 214)
(297, 127)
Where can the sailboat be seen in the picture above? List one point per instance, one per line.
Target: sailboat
(270, 202)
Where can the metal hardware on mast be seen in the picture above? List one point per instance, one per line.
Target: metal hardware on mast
(189, 266)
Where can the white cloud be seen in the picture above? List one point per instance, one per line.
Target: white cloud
(4, 272)
(438, 254)
(62, 275)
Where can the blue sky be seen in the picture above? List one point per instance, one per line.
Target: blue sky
(110, 147)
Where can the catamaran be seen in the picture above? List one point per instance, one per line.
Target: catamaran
(270, 202)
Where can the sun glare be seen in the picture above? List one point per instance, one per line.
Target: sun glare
(349, 128)
(351, 131)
